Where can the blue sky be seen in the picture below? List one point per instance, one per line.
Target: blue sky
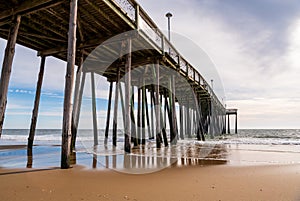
(254, 45)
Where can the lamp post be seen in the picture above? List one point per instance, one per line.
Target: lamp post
(169, 15)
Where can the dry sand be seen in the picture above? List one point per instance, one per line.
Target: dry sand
(253, 173)
(220, 182)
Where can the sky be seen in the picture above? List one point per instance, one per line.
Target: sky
(254, 46)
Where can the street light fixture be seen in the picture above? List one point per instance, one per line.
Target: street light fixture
(169, 15)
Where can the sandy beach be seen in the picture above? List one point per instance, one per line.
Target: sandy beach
(188, 183)
(240, 178)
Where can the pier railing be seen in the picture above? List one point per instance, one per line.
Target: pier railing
(150, 31)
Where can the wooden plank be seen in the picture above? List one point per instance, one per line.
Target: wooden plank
(36, 104)
(69, 79)
(7, 66)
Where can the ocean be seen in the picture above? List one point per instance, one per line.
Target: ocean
(248, 147)
(244, 136)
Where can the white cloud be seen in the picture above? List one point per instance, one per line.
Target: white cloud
(256, 53)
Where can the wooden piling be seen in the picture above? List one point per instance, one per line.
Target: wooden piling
(236, 131)
(228, 126)
(108, 112)
(67, 114)
(157, 108)
(127, 145)
(116, 103)
(77, 111)
(139, 117)
(163, 120)
(147, 117)
(188, 119)
(133, 125)
(122, 103)
(143, 112)
(173, 111)
(152, 114)
(94, 109)
(7, 66)
(36, 103)
(76, 103)
(181, 121)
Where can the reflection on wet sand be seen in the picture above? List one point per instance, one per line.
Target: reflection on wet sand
(142, 159)
(29, 158)
(147, 158)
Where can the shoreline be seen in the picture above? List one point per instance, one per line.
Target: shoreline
(248, 173)
(185, 154)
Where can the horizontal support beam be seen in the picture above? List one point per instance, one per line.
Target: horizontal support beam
(56, 50)
(29, 6)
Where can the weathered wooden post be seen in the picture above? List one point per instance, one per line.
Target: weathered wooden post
(127, 145)
(181, 120)
(69, 79)
(173, 110)
(94, 110)
(228, 125)
(143, 112)
(139, 116)
(133, 126)
(76, 113)
(116, 104)
(122, 103)
(236, 123)
(164, 119)
(152, 115)
(108, 112)
(147, 116)
(36, 103)
(157, 108)
(76, 103)
(188, 119)
(7, 65)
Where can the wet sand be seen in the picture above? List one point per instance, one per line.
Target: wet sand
(189, 179)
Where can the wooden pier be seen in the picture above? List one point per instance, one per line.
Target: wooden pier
(115, 39)
(228, 113)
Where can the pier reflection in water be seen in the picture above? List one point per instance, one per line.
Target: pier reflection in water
(143, 159)
(147, 159)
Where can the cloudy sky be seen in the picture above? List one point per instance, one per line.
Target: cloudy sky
(255, 46)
